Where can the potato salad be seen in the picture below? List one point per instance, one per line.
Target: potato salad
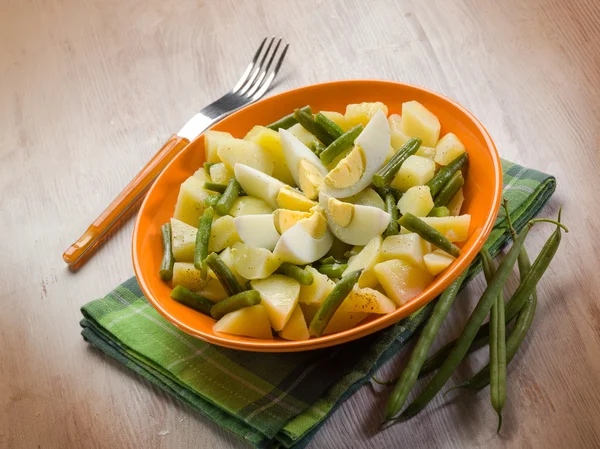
(317, 222)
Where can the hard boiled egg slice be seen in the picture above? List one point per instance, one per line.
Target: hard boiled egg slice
(257, 231)
(369, 154)
(306, 241)
(352, 223)
(258, 184)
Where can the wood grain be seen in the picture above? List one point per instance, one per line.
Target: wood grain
(88, 83)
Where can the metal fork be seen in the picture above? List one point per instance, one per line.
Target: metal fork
(253, 84)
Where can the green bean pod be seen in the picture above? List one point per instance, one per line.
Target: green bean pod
(212, 199)
(166, 265)
(386, 173)
(470, 330)
(329, 260)
(202, 238)
(392, 209)
(339, 145)
(383, 191)
(409, 376)
(290, 270)
(334, 271)
(232, 192)
(454, 184)
(332, 303)
(191, 299)
(238, 301)
(224, 274)
(428, 233)
(443, 176)
(309, 124)
(288, 121)
(440, 211)
(215, 187)
(317, 147)
(332, 128)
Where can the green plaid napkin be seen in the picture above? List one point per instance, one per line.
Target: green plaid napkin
(268, 400)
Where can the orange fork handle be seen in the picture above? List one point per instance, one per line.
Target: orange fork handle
(115, 213)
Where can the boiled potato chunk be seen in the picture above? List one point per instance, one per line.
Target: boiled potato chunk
(239, 151)
(190, 201)
(401, 280)
(455, 229)
(212, 140)
(366, 260)
(213, 290)
(437, 261)
(342, 321)
(338, 119)
(257, 231)
(269, 140)
(426, 152)
(302, 134)
(201, 175)
(222, 234)
(289, 198)
(367, 300)
(415, 171)
(448, 148)
(408, 247)
(228, 259)
(183, 240)
(361, 113)
(398, 138)
(367, 197)
(296, 328)
(249, 205)
(186, 275)
(249, 321)
(418, 121)
(455, 204)
(417, 200)
(254, 263)
(220, 174)
(316, 292)
(279, 295)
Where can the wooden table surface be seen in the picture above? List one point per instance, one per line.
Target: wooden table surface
(90, 89)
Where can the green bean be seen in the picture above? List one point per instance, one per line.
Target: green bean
(454, 184)
(166, 266)
(202, 238)
(383, 191)
(288, 121)
(329, 260)
(339, 145)
(231, 194)
(309, 124)
(207, 166)
(440, 211)
(386, 173)
(317, 147)
(295, 272)
(191, 299)
(497, 343)
(332, 303)
(224, 274)
(215, 187)
(470, 330)
(238, 301)
(392, 209)
(443, 176)
(408, 378)
(428, 233)
(212, 199)
(334, 270)
(332, 128)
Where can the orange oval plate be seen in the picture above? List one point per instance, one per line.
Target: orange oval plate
(483, 191)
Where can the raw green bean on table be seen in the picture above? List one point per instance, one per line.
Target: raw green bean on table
(317, 147)
(443, 176)
(339, 145)
(202, 238)
(288, 121)
(428, 233)
(232, 192)
(191, 299)
(334, 270)
(392, 209)
(212, 199)
(315, 129)
(470, 330)
(207, 166)
(332, 302)
(332, 128)
(386, 173)
(238, 301)
(440, 211)
(166, 266)
(295, 272)
(409, 375)
(224, 274)
(215, 187)
(454, 184)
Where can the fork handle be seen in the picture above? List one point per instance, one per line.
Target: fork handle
(116, 212)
